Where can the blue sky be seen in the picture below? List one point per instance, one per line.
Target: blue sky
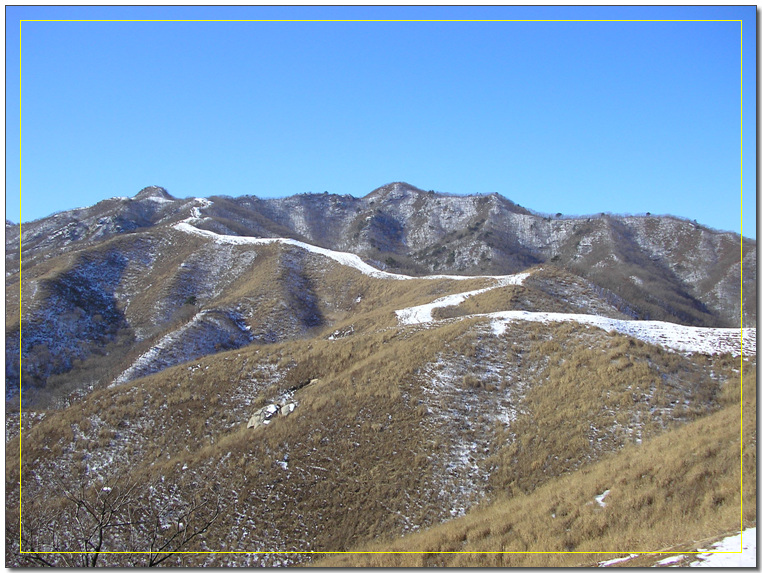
(571, 117)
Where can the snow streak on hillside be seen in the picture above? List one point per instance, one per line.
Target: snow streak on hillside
(198, 337)
(347, 259)
(678, 337)
(422, 313)
(738, 550)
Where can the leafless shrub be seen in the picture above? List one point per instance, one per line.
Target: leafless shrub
(112, 523)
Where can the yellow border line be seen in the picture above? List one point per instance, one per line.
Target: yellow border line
(422, 20)
(376, 552)
(20, 522)
(742, 359)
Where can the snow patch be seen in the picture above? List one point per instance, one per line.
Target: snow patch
(200, 203)
(690, 339)
(738, 550)
(617, 560)
(671, 560)
(422, 313)
(600, 498)
(158, 199)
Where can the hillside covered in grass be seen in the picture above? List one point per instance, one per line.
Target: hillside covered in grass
(197, 393)
(669, 496)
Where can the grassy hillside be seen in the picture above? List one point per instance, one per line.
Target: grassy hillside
(670, 494)
(405, 428)
(391, 413)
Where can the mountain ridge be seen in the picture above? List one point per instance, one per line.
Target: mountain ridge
(402, 228)
(153, 271)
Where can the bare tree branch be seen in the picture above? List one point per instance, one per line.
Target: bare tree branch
(185, 531)
(94, 520)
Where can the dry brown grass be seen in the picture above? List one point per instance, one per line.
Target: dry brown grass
(368, 445)
(286, 293)
(681, 486)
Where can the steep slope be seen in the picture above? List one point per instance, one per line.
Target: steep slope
(163, 296)
(652, 504)
(171, 292)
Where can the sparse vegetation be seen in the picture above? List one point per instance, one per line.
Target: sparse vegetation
(442, 435)
(684, 485)
(369, 427)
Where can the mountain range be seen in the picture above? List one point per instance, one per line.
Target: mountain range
(421, 356)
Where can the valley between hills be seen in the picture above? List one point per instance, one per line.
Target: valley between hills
(402, 379)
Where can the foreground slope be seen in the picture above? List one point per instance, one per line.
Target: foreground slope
(415, 424)
(664, 501)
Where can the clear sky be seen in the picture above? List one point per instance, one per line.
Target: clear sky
(571, 117)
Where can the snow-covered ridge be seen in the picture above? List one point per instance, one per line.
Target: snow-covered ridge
(675, 336)
(678, 337)
(347, 259)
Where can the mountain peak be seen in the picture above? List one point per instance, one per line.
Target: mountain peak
(154, 191)
(397, 189)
